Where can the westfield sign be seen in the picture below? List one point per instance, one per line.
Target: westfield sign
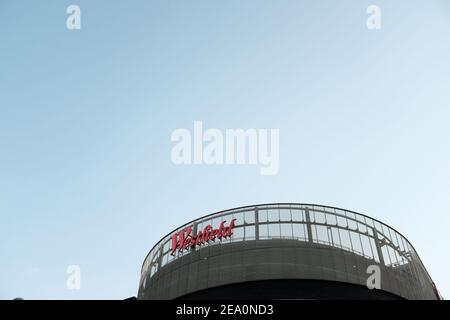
(184, 239)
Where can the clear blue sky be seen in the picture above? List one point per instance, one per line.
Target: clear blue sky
(86, 117)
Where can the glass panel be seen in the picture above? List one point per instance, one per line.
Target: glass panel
(298, 215)
(274, 230)
(342, 222)
(360, 218)
(286, 230)
(331, 219)
(250, 217)
(285, 215)
(263, 231)
(393, 255)
(239, 218)
(216, 222)
(299, 231)
(262, 215)
(273, 215)
(238, 233)
(352, 224)
(386, 257)
(350, 215)
(167, 246)
(345, 239)
(319, 217)
(165, 259)
(250, 233)
(356, 243)
(378, 226)
(153, 269)
(403, 249)
(320, 234)
(362, 227)
(374, 250)
(366, 247)
(335, 240)
(393, 238)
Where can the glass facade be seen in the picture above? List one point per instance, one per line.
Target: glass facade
(319, 225)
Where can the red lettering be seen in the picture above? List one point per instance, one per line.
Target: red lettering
(221, 230)
(180, 240)
(175, 242)
(183, 239)
(199, 238)
(213, 234)
(206, 233)
(229, 231)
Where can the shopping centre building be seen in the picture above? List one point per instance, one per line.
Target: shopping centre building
(284, 251)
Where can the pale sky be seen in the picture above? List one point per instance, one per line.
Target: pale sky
(86, 117)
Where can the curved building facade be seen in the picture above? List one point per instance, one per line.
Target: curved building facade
(285, 251)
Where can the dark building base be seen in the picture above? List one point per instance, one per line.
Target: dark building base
(291, 289)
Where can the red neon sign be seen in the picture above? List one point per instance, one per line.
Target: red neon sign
(183, 239)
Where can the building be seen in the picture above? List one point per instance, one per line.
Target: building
(284, 251)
